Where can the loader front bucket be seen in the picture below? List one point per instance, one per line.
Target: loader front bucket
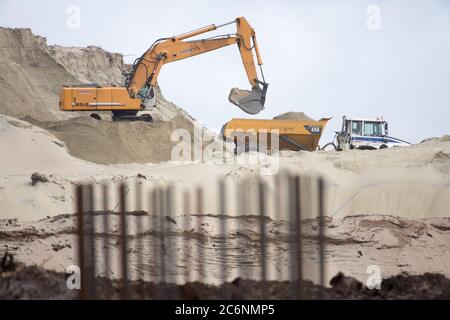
(251, 102)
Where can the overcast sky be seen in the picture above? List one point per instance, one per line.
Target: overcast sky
(325, 58)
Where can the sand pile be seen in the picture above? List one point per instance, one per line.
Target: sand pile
(109, 142)
(27, 148)
(91, 64)
(30, 79)
(444, 138)
(293, 116)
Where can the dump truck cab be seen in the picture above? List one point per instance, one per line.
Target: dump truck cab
(372, 134)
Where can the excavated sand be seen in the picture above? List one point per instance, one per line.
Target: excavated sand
(109, 142)
(28, 148)
(237, 94)
(293, 116)
(29, 78)
(91, 64)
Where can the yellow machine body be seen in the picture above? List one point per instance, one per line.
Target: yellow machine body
(292, 134)
(92, 98)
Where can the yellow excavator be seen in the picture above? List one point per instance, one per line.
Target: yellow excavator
(138, 93)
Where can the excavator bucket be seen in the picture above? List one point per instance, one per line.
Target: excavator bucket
(251, 102)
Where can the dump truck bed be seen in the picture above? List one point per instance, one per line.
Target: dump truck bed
(293, 134)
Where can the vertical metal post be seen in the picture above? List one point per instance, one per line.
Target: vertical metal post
(139, 237)
(155, 235)
(277, 215)
(187, 240)
(123, 242)
(150, 231)
(80, 231)
(106, 231)
(169, 250)
(223, 229)
(90, 266)
(293, 288)
(321, 233)
(262, 230)
(240, 211)
(162, 233)
(201, 253)
(298, 226)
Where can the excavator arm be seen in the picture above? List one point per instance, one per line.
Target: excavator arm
(145, 71)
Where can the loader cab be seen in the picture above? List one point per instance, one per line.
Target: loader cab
(364, 134)
(368, 128)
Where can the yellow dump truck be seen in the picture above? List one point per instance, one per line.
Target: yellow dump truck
(290, 134)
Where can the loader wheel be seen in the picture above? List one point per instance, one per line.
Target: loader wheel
(329, 144)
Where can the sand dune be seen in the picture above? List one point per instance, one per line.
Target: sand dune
(408, 182)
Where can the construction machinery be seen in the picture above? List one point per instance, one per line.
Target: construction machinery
(138, 93)
(368, 134)
(254, 134)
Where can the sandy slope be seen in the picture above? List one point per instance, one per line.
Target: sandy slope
(110, 142)
(23, 66)
(407, 182)
(395, 245)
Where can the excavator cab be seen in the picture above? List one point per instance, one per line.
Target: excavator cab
(147, 93)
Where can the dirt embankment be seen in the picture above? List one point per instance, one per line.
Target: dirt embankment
(30, 79)
(43, 284)
(109, 142)
(91, 64)
(395, 245)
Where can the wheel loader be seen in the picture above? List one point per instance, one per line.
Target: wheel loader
(364, 134)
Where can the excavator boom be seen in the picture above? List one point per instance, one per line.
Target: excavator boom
(142, 80)
(146, 69)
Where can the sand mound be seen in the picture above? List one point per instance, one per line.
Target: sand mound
(30, 79)
(444, 138)
(109, 142)
(91, 64)
(293, 116)
(27, 148)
